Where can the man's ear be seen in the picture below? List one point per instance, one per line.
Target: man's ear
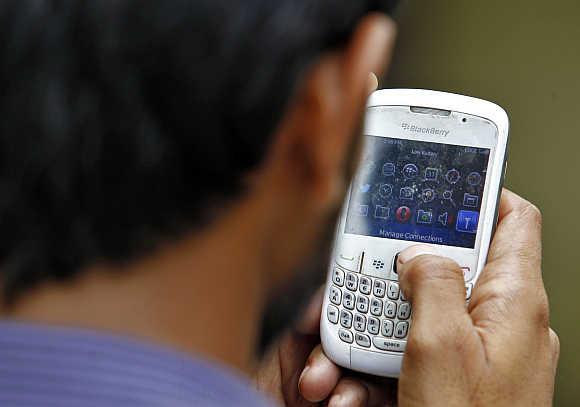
(319, 130)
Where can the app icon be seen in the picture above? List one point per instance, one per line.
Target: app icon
(470, 200)
(364, 188)
(389, 169)
(467, 221)
(474, 179)
(382, 212)
(442, 219)
(425, 217)
(410, 171)
(431, 174)
(386, 190)
(428, 195)
(448, 196)
(362, 210)
(403, 214)
(406, 193)
(453, 176)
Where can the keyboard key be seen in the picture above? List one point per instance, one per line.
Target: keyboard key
(362, 340)
(335, 295)
(345, 335)
(401, 329)
(387, 328)
(351, 281)
(390, 309)
(348, 300)
(360, 322)
(332, 313)
(393, 291)
(373, 326)
(365, 285)
(380, 288)
(404, 311)
(389, 345)
(345, 318)
(338, 277)
(376, 307)
(362, 304)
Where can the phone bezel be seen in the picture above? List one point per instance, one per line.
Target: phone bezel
(385, 363)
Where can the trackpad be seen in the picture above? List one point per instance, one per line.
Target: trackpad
(375, 363)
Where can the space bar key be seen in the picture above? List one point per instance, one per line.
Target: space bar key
(389, 345)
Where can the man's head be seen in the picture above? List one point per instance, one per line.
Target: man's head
(125, 125)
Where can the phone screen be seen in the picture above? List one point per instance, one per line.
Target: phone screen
(418, 191)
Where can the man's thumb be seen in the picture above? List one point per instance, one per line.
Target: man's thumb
(435, 287)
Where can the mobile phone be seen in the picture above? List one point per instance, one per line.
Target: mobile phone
(431, 172)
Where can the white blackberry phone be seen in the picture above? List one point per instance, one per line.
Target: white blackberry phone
(432, 170)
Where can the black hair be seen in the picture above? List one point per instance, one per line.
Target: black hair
(124, 122)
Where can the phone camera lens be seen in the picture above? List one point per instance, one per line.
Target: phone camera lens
(464, 120)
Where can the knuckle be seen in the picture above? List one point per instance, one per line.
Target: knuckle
(531, 212)
(495, 300)
(555, 343)
(426, 341)
(421, 345)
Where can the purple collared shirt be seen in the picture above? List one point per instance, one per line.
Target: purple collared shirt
(50, 367)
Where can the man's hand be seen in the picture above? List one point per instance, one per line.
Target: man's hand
(297, 373)
(499, 351)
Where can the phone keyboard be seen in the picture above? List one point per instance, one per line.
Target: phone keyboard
(370, 312)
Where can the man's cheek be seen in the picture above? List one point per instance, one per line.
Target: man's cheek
(286, 303)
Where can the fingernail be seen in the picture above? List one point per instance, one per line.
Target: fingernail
(373, 82)
(336, 401)
(303, 374)
(411, 252)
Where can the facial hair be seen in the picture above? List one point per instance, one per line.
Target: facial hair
(287, 304)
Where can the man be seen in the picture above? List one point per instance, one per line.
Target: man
(167, 165)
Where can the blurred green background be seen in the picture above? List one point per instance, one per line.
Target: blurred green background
(525, 56)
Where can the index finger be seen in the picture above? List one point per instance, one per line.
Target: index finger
(517, 244)
(510, 289)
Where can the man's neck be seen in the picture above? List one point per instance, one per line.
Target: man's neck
(203, 295)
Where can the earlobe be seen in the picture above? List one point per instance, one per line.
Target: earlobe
(369, 50)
